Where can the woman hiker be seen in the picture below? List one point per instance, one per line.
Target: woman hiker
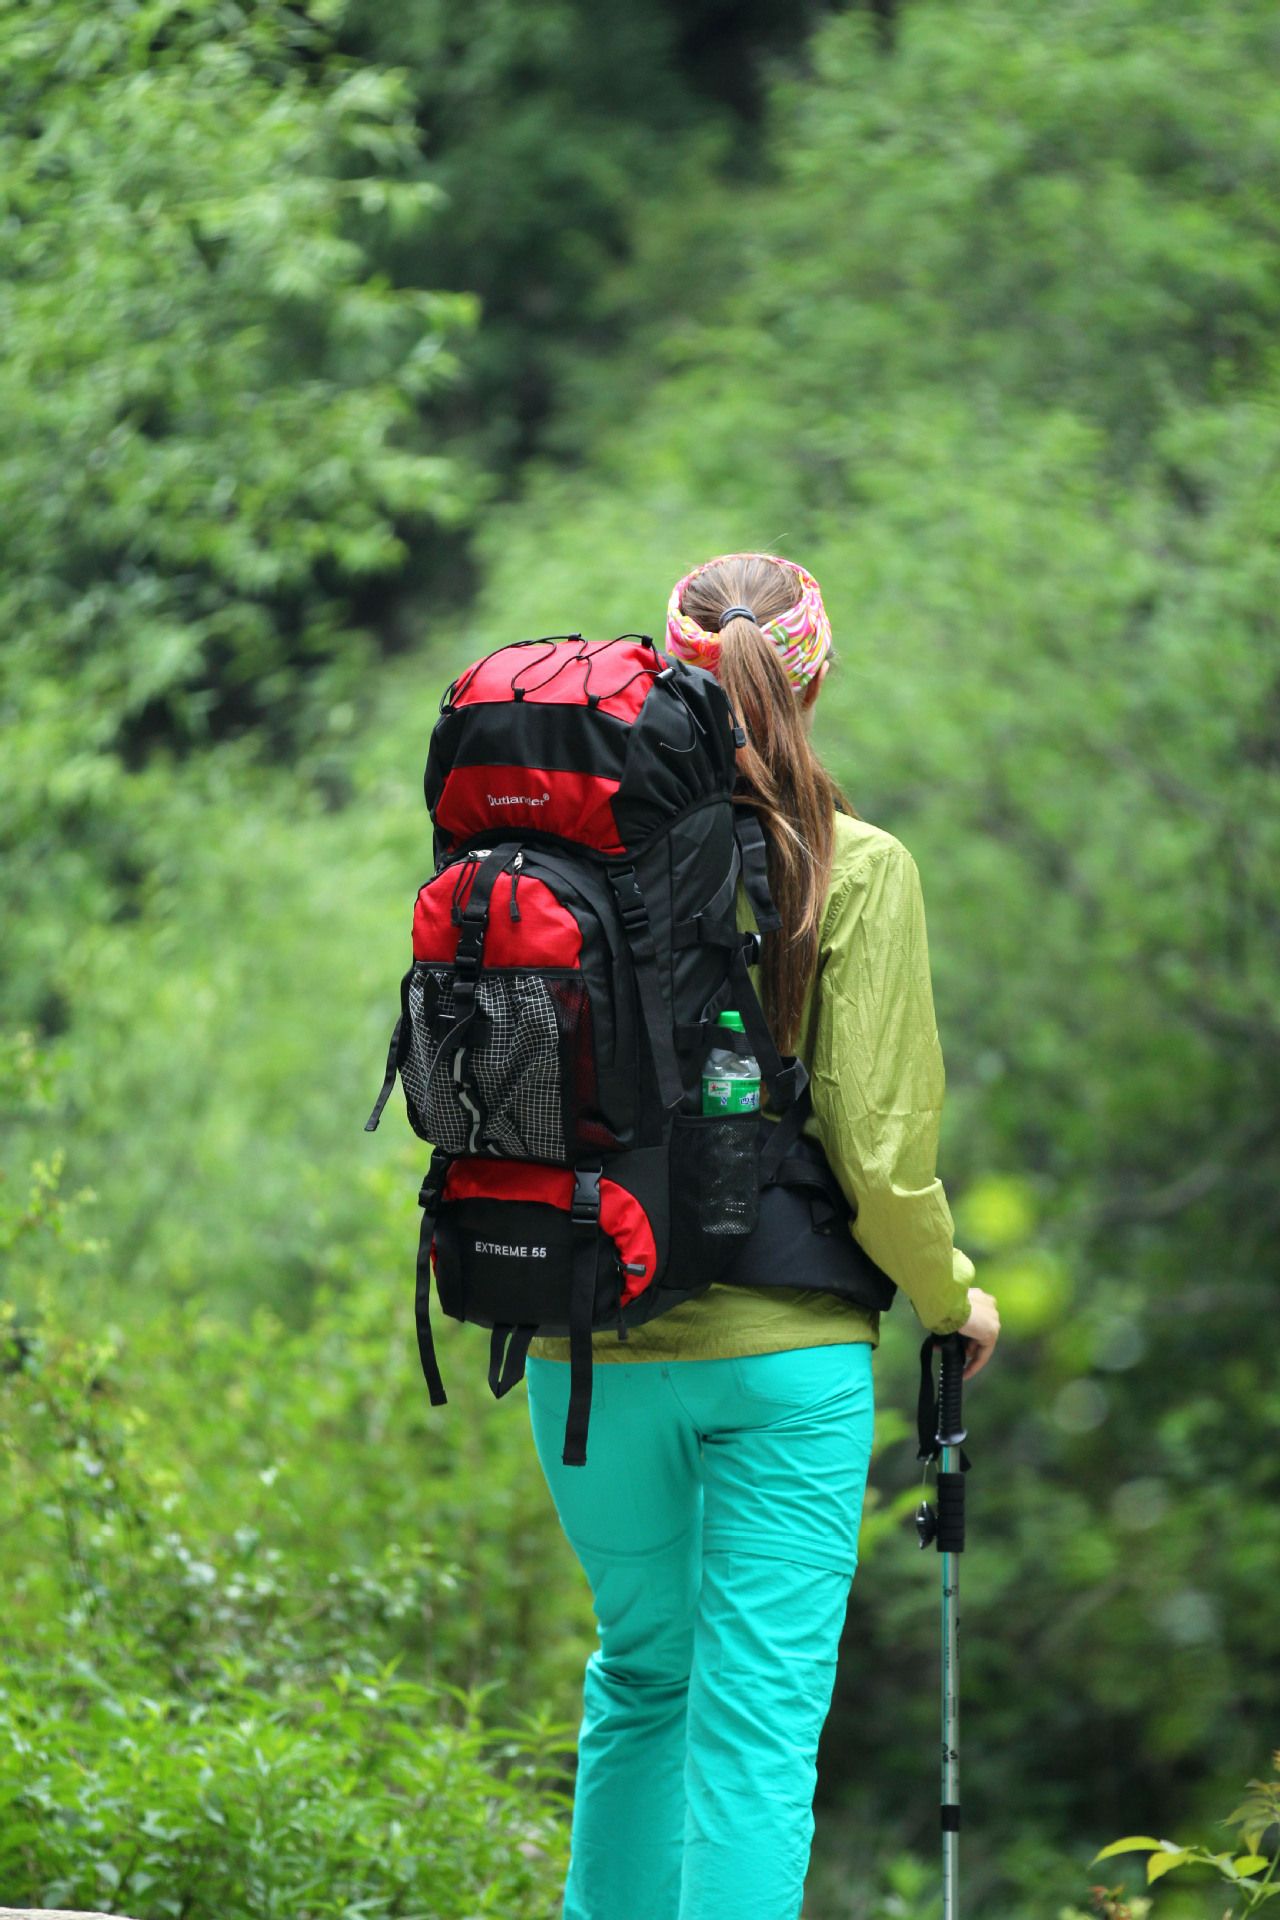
(717, 1517)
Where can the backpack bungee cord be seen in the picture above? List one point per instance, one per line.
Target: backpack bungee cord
(942, 1437)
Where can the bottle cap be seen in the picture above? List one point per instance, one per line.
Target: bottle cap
(730, 1019)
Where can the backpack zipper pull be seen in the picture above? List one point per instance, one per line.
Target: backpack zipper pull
(516, 865)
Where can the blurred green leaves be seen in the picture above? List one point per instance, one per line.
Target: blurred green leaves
(992, 357)
(209, 397)
(380, 1796)
(997, 1212)
(194, 1496)
(235, 1678)
(552, 127)
(212, 444)
(986, 340)
(1249, 1874)
(995, 1220)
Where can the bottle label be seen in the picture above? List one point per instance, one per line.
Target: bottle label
(721, 1094)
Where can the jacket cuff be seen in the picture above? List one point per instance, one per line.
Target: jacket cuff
(962, 1272)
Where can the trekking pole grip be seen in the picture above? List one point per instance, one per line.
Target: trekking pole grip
(951, 1437)
(950, 1391)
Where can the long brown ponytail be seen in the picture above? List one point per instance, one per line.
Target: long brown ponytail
(778, 772)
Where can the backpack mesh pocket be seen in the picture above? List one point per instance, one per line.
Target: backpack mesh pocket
(523, 1084)
(715, 1176)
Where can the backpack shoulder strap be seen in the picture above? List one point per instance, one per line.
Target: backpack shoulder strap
(635, 924)
(784, 1134)
(786, 1079)
(716, 923)
(749, 835)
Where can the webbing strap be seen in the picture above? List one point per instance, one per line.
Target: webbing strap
(584, 1215)
(749, 835)
(635, 924)
(472, 920)
(393, 1067)
(429, 1200)
(783, 1136)
(505, 1373)
(716, 924)
(785, 1079)
(468, 963)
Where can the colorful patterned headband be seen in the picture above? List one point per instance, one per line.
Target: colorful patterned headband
(801, 635)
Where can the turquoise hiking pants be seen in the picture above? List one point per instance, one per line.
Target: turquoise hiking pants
(717, 1522)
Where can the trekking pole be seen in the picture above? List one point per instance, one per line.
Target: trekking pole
(942, 1438)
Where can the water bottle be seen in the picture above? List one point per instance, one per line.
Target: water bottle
(730, 1081)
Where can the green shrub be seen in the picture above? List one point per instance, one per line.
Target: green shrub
(1248, 1870)
(212, 444)
(992, 362)
(205, 1703)
(197, 1497)
(374, 1795)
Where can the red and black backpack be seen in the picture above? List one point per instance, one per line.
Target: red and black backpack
(570, 959)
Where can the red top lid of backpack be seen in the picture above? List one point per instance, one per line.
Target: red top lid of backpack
(599, 742)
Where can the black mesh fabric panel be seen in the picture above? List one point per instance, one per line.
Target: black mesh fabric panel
(529, 1067)
(715, 1171)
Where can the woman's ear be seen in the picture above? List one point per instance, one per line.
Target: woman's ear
(810, 694)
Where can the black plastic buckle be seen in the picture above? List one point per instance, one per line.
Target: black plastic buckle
(470, 953)
(431, 1192)
(630, 899)
(584, 1210)
(634, 916)
(790, 1083)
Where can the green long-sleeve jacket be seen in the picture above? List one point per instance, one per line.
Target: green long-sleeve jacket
(870, 1042)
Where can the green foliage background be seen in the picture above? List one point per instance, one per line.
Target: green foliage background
(973, 307)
